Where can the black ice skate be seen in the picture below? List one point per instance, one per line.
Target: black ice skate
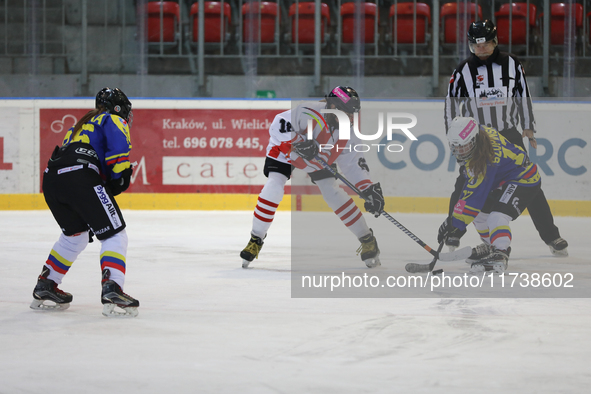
(558, 247)
(251, 251)
(112, 296)
(370, 253)
(47, 296)
(497, 261)
(479, 252)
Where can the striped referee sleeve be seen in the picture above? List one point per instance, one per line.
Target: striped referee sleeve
(527, 114)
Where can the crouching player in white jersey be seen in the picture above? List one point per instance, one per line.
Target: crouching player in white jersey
(81, 179)
(500, 182)
(289, 129)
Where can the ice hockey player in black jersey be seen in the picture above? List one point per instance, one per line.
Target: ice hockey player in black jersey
(79, 184)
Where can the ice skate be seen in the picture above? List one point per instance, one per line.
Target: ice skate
(558, 247)
(370, 253)
(479, 252)
(251, 251)
(497, 261)
(47, 296)
(115, 302)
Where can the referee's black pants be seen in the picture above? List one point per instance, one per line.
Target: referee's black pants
(538, 208)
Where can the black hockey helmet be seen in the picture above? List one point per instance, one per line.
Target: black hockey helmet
(482, 31)
(344, 98)
(115, 102)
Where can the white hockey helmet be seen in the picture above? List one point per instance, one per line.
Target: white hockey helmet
(462, 137)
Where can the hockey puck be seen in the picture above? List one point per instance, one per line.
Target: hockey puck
(437, 272)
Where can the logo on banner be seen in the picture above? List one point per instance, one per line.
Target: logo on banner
(3, 165)
(57, 126)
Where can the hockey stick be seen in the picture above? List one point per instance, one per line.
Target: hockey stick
(414, 268)
(451, 256)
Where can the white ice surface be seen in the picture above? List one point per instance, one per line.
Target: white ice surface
(208, 326)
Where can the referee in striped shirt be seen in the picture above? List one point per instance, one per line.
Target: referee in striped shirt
(490, 86)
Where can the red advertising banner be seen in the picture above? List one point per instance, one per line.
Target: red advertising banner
(183, 150)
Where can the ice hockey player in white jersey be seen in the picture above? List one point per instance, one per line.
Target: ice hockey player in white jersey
(281, 158)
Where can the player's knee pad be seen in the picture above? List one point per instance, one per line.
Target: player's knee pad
(481, 225)
(117, 243)
(64, 253)
(500, 232)
(498, 219)
(274, 188)
(334, 196)
(326, 186)
(70, 246)
(276, 177)
(481, 221)
(329, 188)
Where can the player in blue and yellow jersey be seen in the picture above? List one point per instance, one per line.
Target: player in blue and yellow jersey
(81, 179)
(108, 134)
(499, 183)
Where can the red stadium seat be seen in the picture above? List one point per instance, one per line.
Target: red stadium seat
(251, 31)
(348, 12)
(167, 15)
(518, 23)
(403, 29)
(304, 30)
(450, 20)
(215, 26)
(558, 12)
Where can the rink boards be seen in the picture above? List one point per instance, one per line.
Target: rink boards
(209, 155)
(239, 202)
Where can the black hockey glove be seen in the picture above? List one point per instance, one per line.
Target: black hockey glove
(374, 199)
(119, 185)
(447, 230)
(306, 150)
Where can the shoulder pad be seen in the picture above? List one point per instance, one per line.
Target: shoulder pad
(118, 120)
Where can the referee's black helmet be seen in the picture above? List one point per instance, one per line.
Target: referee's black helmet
(482, 31)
